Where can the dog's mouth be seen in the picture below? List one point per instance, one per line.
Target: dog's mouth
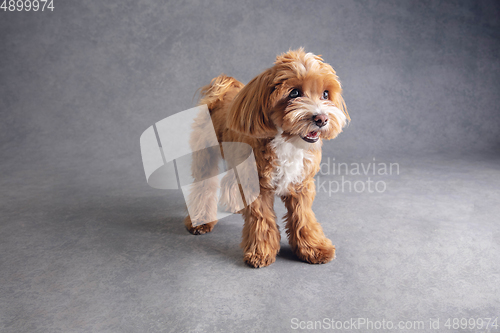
(311, 137)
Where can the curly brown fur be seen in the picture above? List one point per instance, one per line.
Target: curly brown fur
(284, 114)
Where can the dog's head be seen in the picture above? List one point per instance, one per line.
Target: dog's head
(300, 97)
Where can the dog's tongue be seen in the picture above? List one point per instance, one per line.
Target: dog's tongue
(312, 135)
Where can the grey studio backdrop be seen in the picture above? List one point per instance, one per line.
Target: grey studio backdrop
(86, 245)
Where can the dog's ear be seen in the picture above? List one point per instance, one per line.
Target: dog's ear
(340, 103)
(250, 109)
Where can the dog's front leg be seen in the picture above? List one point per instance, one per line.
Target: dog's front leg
(261, 236)
(305, 234)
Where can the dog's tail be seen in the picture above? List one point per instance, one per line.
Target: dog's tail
(220, 88)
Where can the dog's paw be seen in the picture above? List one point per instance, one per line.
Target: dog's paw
(201, 229)
(257, 260)
(320, 254)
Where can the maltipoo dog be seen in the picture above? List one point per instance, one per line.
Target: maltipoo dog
(284, 114)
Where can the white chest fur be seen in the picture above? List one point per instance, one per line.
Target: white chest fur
(289, 164)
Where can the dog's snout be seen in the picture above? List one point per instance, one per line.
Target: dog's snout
(320, 119)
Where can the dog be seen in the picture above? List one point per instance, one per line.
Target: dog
(284, 114)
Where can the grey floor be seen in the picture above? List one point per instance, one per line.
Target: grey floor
(80, 256)
(87, 246)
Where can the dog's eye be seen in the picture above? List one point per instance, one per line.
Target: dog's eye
(294, 93)
(325, 94)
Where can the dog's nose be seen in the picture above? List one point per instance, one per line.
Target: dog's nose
(320, 119)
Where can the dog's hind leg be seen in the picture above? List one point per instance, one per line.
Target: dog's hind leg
(202, 198)
(204, 182)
